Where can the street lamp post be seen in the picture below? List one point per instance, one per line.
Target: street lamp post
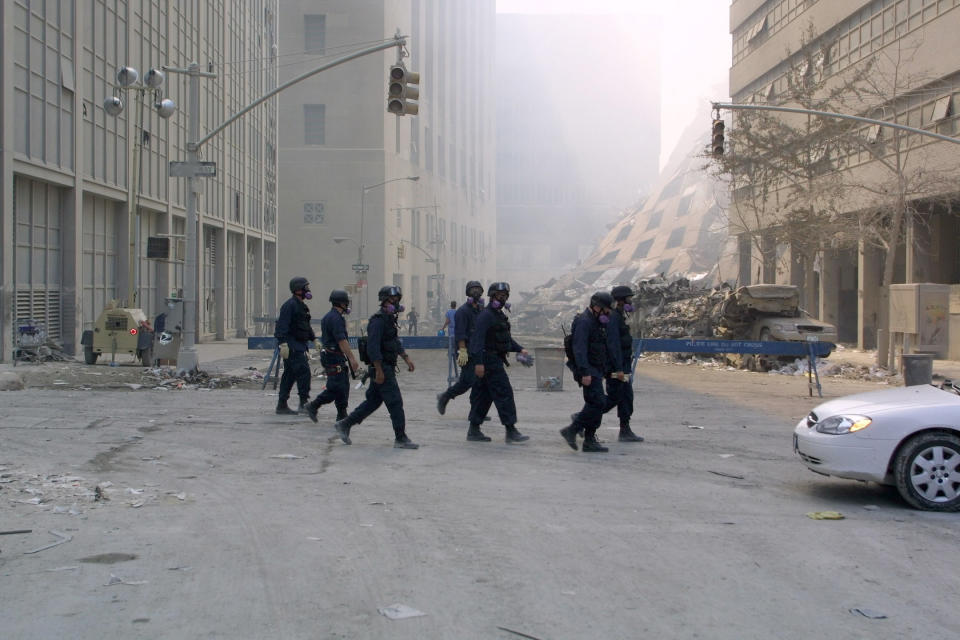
(128, 79)
(363, 193)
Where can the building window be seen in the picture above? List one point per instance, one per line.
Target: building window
(314, 213)
(655, 220)
(609, 257)
(642, 249)
(624, 233)
(314, 33)
(684, 207)
(314, 123)
(676, 237)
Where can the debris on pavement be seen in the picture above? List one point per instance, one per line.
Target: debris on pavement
(118, 580)
(825, 515)
(518, 633)
(287, 456)
(400, 612)
(63, 538)
(868, 613)
(725, 475)
(15, 532)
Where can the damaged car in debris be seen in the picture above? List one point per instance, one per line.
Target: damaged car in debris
(908, 437)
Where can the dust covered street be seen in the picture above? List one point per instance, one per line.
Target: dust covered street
(199, 513)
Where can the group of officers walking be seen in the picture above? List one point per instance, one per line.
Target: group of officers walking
(600, 352)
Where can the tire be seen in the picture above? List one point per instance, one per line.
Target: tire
(927, 471)
(89, 356)
(763, 363)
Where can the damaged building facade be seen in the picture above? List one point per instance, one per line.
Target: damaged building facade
(912, 41)
(673, 246)
(75, 216)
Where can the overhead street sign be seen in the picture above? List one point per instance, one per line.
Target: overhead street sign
(359, 268)
(202, 169)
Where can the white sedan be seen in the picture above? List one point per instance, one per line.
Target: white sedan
(908, 437)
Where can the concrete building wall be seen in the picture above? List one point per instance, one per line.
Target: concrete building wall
(71, 219)
(850, 33)
(429, 236)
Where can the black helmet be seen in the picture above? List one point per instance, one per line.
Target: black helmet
(339, 296)
(473, 284)
(602, 299)
(299, 283)
(498, 286)
(389, 291)
(621, 292)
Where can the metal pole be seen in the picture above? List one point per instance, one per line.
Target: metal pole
(187, 361)
(133, 214)
(830, 114)
(365, 298)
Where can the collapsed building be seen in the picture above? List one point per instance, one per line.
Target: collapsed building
(673, 243)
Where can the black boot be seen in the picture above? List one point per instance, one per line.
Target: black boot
(341, 414)
(302, 408)
(403, 442)
(284, 410)
(442, 401)
(570, 435)
(514, 436)
(312, 408)
(475, 435)
(573, 421)
(343, 431)
(591, 444)
(627, 434)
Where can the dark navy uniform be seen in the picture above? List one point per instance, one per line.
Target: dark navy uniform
(465, 321)
(489, 345)
(620, 393)
(293, 327)
(333, 329)
(383, 343)
(596, 356)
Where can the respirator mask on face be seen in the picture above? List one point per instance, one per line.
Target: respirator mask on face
(627, 307)
(603, 318)
(496, 304)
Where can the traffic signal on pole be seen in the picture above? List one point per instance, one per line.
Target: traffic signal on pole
(402, 91)
(717, 144)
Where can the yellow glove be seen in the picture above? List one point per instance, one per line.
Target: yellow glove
(462, 357)
(284, 350)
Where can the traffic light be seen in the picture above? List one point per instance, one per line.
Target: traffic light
(402, 90)
(717, 145)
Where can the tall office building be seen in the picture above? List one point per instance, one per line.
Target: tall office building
(578, 134)
(910, 41)
(75, 216)
(348, 198)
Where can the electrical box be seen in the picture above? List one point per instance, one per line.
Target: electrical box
(921, 311)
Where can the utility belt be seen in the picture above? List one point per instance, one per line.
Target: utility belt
(335, 370)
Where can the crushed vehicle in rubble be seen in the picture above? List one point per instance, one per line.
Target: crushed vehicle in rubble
(763, 312)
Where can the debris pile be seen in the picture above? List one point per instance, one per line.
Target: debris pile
(677, 309)
(166, 378)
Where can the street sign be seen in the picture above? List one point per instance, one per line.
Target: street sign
(201, 169)
(359, 268)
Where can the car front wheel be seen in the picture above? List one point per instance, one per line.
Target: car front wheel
(927, 472)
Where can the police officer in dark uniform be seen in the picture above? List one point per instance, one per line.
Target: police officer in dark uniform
(596, 357)
(620, 392)
(383, 349)
(464, 322)
(489, 345)
(334, 355)
(294, 333)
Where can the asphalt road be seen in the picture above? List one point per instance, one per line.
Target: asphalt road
(222, 520)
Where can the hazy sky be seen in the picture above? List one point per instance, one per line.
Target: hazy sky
(695, 56)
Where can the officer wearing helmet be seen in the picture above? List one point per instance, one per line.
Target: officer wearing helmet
(383, 349)
(619, 391)
(294, 333)
(488, 348)
(595, 357)
(464, 322)
(334, 355)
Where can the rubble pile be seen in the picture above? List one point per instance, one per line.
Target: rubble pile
(677, 309)
(167, 379)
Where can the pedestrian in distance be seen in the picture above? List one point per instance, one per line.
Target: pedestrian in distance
(450, 319)
(412, 319)
(488, 348)
(595, 357)
(620, 391)
(336, 357)
(383, 348)
(464, 324)
(294, 335)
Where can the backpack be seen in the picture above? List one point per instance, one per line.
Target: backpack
(568, 349)
(362, 350)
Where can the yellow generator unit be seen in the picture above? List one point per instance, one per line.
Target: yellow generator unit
(119, 330)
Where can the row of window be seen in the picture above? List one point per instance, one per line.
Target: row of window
(768, 22)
